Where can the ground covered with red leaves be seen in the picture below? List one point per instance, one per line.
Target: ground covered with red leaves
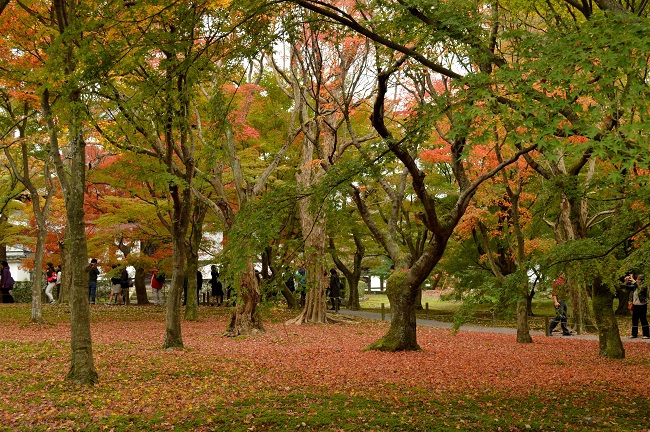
(310, 377)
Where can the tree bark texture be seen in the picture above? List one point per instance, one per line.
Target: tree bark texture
(82, 369)
(191, 302)
(245, 320)
(523, 330)
(66, 266)
(609, 337)
(315, 310)
(401, 335)
(140, 286)
(180, 224)
(173, 336)
(37, 304)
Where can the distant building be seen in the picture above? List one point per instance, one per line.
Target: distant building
(15, 257)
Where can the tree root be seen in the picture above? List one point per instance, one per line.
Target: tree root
(329, 319)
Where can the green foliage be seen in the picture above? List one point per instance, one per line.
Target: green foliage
(258, 224)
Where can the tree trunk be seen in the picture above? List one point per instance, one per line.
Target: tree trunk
(622, 295)
(402, 333)
(609, 337)
(523, 330)
(245, 320)
(82, 369)
(66, 269)
(191, 302)
(353, 295)
(529, 303)
(315, 310)
(173, 336)
(418, 300)
(181, 220)
(288, 296)
(140, 286)
(37, 304)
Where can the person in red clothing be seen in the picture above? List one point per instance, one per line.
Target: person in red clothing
(561, 309)
(157, 283)
(50, 274)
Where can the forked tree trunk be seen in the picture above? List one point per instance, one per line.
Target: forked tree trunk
(401, 335)
(315, 310)
(609, 337)
(245, 320)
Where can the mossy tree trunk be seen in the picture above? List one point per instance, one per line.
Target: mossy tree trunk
(402, 294)
(609, 337)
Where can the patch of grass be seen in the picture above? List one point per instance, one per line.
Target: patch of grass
(408, 412)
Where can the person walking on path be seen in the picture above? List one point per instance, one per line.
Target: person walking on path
(93, 273)
(157, 283)
(561, 309)
(216, 286)
(6, 283)
(50, 275)
(335, 290)
(639, 302)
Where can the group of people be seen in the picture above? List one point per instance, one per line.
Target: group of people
(333, 291)
(637, 303)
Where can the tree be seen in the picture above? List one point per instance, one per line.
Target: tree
(153, 107)
(23, 171)
(479, 40)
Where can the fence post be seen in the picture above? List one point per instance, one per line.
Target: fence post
(426, 310)
(383, 312)
(494, 318)
(546, 326)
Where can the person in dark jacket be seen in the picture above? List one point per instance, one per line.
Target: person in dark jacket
(639, 302)
(335, 290)
(93, 273)
(125, 283)
(6, 283)
(216, 286)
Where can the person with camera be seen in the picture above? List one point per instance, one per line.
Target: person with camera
(639, 306)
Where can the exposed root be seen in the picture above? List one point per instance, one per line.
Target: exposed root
(329, 319)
